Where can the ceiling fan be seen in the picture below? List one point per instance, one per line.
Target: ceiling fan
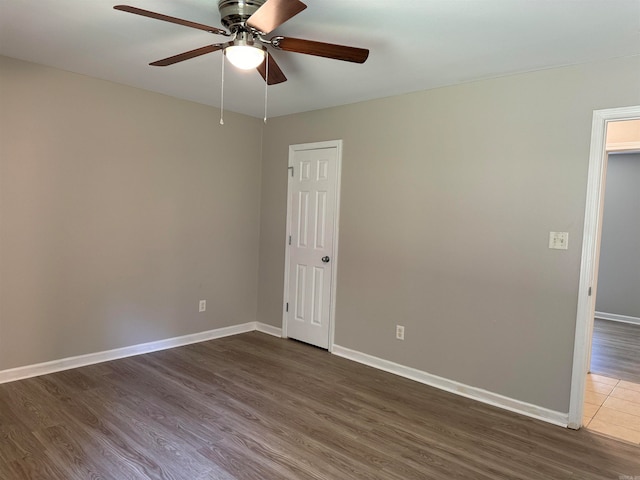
(248, 21)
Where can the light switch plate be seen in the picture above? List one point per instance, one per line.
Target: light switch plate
(559, 240)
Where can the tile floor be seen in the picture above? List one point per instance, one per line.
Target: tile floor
(612, 407)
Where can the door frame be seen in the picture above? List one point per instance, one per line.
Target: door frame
(337, 144)
(590, 254)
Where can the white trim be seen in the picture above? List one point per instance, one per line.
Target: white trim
(287, 232)
(337, 144)
(589, 262)
(474, 393)
(484, 396)
(614, 317)
(269, 329)
(45, 368)
(336, 237)
(623, 147)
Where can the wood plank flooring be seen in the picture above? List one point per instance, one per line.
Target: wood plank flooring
(257, 407)
(616, 350)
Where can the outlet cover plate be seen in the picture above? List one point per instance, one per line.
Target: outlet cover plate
(559, 240)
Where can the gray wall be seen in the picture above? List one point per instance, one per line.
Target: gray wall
(119, 210)
(448, 198)
(619, 271)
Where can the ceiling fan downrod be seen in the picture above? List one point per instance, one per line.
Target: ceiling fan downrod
(235, 13)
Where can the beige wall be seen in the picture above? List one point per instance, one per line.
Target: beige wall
(448, 198)
(120, 209)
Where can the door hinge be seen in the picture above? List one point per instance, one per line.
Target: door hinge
(589, 291)
(287, 306)
(289, 239)
(291, 168)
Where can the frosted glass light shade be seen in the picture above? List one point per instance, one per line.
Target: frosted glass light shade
(244, 57)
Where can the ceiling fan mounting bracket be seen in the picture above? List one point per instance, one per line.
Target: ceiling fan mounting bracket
(235, 13)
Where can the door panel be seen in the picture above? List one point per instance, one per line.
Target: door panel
(312, 193)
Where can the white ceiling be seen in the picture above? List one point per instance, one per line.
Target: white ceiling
(415, 45)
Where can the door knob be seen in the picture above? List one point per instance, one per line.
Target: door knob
(325, 259)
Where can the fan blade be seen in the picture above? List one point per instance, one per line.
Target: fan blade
(275, 74)
(187, 55)
(167, 18)
(320, 49)
(274, 13)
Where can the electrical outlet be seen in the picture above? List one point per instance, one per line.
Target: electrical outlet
(559, 240)
(399, 332)
(202, 305)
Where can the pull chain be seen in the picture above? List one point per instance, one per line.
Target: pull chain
(266, 85)
(222, 92)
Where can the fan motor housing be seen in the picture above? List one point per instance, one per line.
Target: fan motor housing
(234, 13)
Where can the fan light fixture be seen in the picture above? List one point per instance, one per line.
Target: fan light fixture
(244, 57)
(247, 22)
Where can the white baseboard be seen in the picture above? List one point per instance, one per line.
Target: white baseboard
(29, 371)
(614, 317)
(474, 393)
(269, 329)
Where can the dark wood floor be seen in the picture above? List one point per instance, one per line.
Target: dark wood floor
(257, 407)
(616, 350)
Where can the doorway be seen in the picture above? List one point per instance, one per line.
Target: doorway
(590, 255)
(313, 201)
(612, 396)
